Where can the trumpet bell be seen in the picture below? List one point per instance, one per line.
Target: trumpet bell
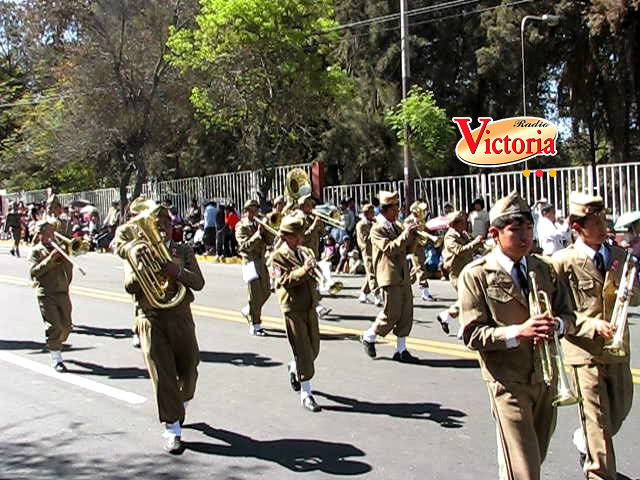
(336, 288)
(564, 398)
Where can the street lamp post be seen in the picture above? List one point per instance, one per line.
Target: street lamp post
(547, 18)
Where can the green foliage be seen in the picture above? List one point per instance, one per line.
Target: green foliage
(430, 127)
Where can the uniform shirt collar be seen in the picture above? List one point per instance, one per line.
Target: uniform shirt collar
(505, 262)
(590, 252)
(383, 221)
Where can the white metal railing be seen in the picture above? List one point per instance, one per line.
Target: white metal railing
(618, 185)
(361, 192)
(460, 191)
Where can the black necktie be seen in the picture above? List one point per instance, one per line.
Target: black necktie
(521, 272)
(599, 260)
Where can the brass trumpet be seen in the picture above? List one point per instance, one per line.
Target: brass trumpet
(324, 280)
(75, 246)
(552, 362)
(615, 346)
(330, 215)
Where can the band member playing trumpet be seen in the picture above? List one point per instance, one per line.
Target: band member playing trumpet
(252, 243)
(591, 272)
(369, 290)
(52, 274)
(296, 287)
(457, 252)
(498, 323)
(167, 331)
(418, 257)
(390, 244)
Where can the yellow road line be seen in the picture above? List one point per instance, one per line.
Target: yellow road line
(419, 344)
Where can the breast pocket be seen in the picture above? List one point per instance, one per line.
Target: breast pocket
(503, 306)
(585, 289)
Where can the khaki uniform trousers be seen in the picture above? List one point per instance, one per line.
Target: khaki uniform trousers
(418, 268)
(56, 314)
(525, 421)
(369, 285)
(397, 313)
(170, 349)
(454, 310)
(607, 393)
(259, 291)
(303, 334)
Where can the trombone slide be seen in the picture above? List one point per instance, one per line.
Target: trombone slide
(61, 251)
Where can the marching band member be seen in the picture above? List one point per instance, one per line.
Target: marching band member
(496, 319)
(55, 216)
(13, 225)
(389, 249)
(252, 245)
(591, 272)
(297, 292)
(51, 275)
(419, 270)
(457, 252)
(168, 336)
(369, 289)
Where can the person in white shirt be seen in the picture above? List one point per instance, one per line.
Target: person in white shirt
(550, 238)
(479, 219)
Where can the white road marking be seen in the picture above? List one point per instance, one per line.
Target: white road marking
(79, 381)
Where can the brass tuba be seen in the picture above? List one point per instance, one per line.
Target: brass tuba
(147, 254)
(615, 346)
(552, 362)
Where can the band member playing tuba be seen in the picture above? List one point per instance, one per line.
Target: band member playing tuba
(252, 243)
(591, 271)
(390, 245)
(498, 323)
(167, 331)
(294, 267)
(51, 275)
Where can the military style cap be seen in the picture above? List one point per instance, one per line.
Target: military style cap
(512, 204)
(292, 224)
(279, 199)
(388, 198)
(304, 198)
(582, 204)
(419, 206)
(42, 225)
(453, 217)
(250, 203)
(368, 207)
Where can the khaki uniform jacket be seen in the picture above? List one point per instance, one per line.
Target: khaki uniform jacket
(297, 290)
(190, 276)
(592, 297)
(363, 231)
(49, 275)
(251, 245)
(458, 251)
(389, 249)
(491, 302)
(410, 220)
(312, 235)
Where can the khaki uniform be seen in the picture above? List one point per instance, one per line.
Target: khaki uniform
(520, 400)
(457, 253)
(363, 231)
(168, 337)
(51, 279)
(418, 257)
(312, 235)
(389, 250)
(605, 381)
(298, 296)
(252, 247)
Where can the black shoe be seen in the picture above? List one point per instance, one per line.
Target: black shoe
(60, 367)
(259, 333)
(173, 445)
(582, 460)
(405, 357)
(13, 252)
(369, 347)
(310, 404)
(444, 326)
(293, 380)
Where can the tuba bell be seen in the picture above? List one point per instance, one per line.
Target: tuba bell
(146, 253)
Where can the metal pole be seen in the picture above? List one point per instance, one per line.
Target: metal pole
(404, 41)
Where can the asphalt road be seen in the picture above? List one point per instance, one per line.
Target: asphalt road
(380, 419)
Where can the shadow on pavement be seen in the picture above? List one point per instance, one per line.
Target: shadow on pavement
(41, 347)
(446, 417)
(102, 332)
(296, 454)
(442, 362)
(110, 372)
(245, 359)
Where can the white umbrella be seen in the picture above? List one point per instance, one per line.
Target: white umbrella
(89, 209)
(626, 219)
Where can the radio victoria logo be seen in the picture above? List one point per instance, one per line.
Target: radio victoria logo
(506, 141)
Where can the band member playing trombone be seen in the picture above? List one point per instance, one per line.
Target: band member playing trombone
(593, 272)
(390, 244)
(252, 243)
(55, 216)
(369, 290)
(294, 267)
(51, 274)
(498, 323)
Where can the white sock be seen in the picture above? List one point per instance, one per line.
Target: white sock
(185, 404)
(444, 317)
(401, 344)
(579, 441)
(172, 429)
(292, 367)
(369, 335)
(245, 310)
(305, 389)
(56, 357)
